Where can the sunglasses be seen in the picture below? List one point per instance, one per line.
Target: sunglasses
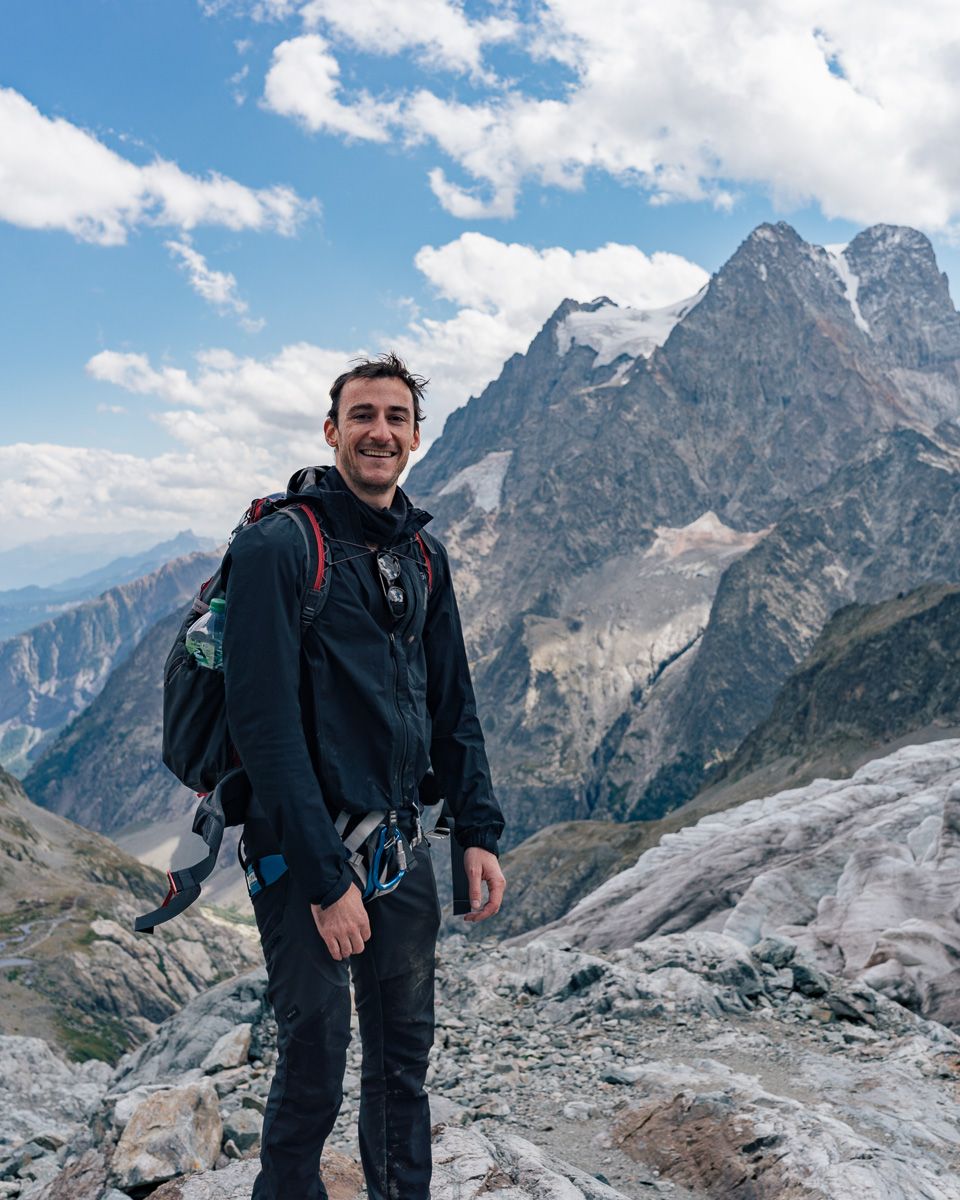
(388, 566)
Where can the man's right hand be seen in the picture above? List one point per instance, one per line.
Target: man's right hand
(344, 926)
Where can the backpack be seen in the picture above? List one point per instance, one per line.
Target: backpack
(196, 741)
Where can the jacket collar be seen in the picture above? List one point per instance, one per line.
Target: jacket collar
(340, 508)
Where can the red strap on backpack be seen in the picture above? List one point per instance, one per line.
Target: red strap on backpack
(426, 561)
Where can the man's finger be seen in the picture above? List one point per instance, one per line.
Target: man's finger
(475, 891)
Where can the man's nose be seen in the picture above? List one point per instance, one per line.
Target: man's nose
(380, 430)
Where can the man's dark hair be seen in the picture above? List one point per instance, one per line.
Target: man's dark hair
(384, 366)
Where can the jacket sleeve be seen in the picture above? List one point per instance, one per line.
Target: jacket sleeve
(264, 572)
(456, 750)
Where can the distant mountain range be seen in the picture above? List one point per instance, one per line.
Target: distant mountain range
(51, 673)
(23, 607)
(51, 560)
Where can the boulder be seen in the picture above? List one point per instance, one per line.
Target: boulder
(170, 1133)
(341, 1176)
(231, 1049)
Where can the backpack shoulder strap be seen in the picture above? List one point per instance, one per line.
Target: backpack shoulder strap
(318, 582)
(422, 543)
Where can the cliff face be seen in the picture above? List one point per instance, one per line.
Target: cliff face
(886, 522)
(51, 673)
(595, 494)
(73, 971)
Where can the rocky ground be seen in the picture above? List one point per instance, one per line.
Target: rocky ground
(687, 1066)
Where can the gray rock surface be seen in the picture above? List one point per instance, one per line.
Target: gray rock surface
(862, 874)
(42, 1093)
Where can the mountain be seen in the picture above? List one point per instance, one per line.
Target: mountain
(52, 672)
(73, 971)
(879, 677)
(888, 521)
(572, 493)
(50, 560)
(25, 607)
(878, 674)
(121, 727)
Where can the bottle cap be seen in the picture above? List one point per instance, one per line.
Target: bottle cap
(219, 605)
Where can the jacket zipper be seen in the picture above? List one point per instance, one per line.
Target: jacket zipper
(398, 780)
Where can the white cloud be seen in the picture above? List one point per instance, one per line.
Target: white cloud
(852, 106)
(439, 29)
(218, 288)
(54, 175)
(303, 82)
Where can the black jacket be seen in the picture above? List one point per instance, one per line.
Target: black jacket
(354, 717)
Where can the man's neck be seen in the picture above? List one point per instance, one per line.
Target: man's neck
(382, 499)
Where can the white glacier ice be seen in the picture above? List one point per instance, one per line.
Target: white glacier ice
(613, 331)
(484, 479)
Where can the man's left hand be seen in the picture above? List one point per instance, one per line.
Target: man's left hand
(482, 866)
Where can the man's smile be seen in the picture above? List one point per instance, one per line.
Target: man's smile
(379, 453)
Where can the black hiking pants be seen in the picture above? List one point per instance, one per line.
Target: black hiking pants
(393, 983)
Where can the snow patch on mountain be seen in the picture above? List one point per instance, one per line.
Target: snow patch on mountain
(484, 479)
(850, 281)
(613, 331)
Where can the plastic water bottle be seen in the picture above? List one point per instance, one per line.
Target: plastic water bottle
(205, 637)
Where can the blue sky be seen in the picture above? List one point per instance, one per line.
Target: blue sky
(207, 207)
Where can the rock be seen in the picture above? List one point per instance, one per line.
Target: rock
(170, 1133)
(230, 1050)
(469, 1165)
(578, 1110)
(444, 1111)
(83, 1179)
(707, 1127)
(809, 980)
(777, 951)
(342, 1179)
(243, 1127)
(40, 1092)
(858, 873)
(184, 1041)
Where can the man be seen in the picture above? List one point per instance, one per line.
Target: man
(352, 718)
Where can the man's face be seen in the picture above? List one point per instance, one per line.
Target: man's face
(374, 435)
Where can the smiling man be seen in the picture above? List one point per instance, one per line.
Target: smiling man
(348, 716)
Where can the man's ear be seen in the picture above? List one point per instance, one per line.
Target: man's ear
(330, 432)
(415, 444)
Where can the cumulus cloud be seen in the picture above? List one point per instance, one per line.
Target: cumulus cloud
(303, 82)
(54, 175)
(218, 288)
(440, 30)
(847, 105)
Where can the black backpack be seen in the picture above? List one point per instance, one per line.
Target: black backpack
(196, 740)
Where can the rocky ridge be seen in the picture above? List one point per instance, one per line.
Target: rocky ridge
(51, 673)
(71, 970)
(682, 1066)
(23, 607)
